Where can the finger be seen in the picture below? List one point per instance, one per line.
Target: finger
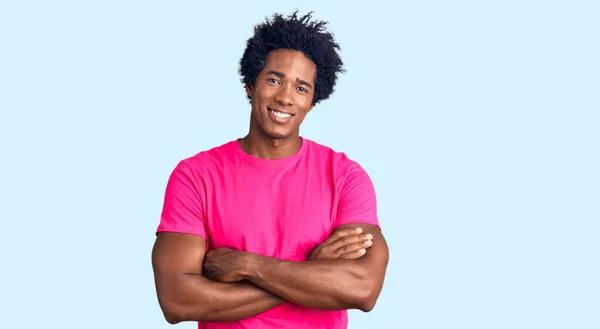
(355, 254)
(207, 274)
(353, 247)
(343, 233)
(351, 239)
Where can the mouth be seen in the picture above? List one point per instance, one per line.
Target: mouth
(280, 114)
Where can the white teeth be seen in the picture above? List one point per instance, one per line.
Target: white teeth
(280, 114)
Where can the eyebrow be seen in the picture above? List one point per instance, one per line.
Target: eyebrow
(281, 76)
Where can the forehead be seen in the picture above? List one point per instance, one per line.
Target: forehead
(292, 63)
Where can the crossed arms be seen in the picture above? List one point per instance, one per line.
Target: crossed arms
(244, 284)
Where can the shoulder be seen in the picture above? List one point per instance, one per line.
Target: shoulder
(209, 158)
(339, 162)
(205, 161)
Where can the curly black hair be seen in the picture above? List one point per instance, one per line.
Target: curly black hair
(297, 33)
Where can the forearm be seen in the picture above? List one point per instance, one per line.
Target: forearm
(198, 299)
(323, 284)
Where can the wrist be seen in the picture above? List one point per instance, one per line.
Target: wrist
(249, 265)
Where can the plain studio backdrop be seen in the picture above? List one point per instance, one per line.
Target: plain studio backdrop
(477, 121)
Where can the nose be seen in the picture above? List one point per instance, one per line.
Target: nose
(284, 95)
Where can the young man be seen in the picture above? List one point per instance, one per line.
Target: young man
(272, 230)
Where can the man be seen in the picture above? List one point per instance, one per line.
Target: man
(272, 230)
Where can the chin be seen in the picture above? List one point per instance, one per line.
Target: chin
(277, 133)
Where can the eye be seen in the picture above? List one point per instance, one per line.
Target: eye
(272, 80)
(302, 89)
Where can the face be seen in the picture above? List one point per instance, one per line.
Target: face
(282, 94)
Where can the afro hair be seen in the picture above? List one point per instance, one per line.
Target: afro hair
(297, 33)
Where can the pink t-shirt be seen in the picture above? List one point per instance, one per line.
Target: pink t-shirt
(278, 208)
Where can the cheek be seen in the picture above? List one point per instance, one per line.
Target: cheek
(258, 104)
(300, 117)
(304, 103)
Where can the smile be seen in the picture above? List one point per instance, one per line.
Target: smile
(279, 114)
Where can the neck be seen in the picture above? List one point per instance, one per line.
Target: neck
(264, 147)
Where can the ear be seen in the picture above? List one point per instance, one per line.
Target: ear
(249, 90)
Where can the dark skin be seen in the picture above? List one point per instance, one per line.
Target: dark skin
(339, 273)
(286, 83)
(186, 295)
(328, 284)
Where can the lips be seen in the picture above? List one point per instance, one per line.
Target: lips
(280, 114)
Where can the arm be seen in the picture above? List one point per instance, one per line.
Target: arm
(185, 295)
(177, 258)
(324, 284)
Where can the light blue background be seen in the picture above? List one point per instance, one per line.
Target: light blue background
(477, 121)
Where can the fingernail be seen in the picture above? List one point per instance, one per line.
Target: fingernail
(368, 242)
(358, 229)
(362, 251)
(369, 236)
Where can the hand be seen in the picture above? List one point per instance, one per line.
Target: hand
(343, 244)
(223, 264)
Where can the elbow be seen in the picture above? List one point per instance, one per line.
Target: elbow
(367, 304)
(366, 299)
(175, 313)
(172, 313)
(172, 318)
(178, 307)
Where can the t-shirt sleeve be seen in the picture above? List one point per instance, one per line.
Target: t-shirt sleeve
(357, 202)
(183, 204)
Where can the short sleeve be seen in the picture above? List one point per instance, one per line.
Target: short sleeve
(357, 201)
(183, 204)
